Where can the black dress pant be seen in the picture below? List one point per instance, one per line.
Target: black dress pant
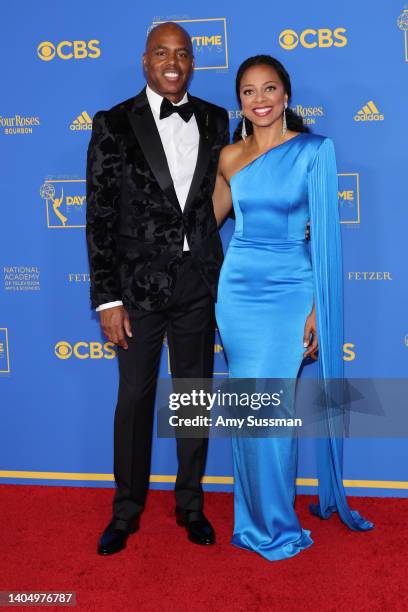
(188, 319)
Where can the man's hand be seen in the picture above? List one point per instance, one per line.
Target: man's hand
(115, 324)
(310, 344)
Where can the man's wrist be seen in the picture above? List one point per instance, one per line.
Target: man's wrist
(109, 305)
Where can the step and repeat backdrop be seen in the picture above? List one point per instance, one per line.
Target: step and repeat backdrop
(62, 62)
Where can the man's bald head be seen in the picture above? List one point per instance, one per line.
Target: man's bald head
(169, 26)
(168, 60)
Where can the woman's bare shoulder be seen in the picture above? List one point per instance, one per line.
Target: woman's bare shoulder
(229, 156)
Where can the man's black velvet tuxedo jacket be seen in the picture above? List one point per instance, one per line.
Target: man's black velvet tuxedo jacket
(135, 226)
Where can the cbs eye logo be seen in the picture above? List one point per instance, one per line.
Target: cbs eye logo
(63, 350)
(85, 350)
(66, 50)
(309, 39)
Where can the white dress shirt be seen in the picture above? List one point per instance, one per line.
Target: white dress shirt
(180, 142)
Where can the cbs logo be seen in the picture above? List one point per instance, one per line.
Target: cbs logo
(85, 350)
(309, 39)
(66, 50)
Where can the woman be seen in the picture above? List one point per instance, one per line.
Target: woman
(273, 298)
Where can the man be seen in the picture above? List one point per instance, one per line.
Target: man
(155, 255)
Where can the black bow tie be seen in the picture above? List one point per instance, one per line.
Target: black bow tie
(186, 111)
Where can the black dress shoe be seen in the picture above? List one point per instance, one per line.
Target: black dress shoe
(199, 529)
(114, 540)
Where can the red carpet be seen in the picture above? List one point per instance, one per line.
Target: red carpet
(48, 542)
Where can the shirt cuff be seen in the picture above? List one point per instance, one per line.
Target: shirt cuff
(109, 305)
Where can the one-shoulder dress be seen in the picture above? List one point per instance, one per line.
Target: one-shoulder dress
(269, 281)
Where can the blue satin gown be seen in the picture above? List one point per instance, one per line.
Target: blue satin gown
(266, 290)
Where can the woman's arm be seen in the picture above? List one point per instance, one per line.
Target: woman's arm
(310, 339)
(222, 198)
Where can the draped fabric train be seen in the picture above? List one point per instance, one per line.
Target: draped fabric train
(268, 282)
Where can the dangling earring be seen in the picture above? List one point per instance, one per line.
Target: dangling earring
(284, 123)
(243, 131)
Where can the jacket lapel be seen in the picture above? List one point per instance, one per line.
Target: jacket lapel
(144, 126)
(204, 150)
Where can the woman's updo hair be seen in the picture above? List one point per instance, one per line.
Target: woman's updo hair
(294, 122)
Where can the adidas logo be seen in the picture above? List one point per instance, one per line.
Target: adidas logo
(369, 112)
(82, 122)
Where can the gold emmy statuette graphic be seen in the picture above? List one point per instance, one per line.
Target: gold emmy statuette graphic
(56, 203)
(47, 193)
(402, 23)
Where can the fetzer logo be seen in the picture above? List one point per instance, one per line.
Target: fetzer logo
(81, 123)
(369, 112)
